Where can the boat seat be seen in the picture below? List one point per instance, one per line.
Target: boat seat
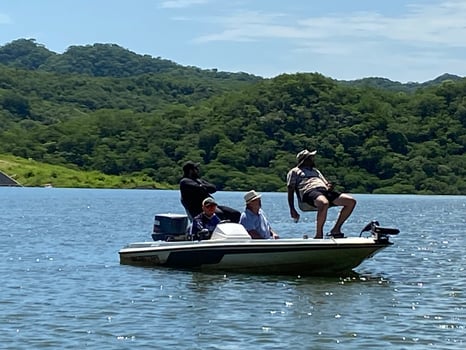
(303, 206)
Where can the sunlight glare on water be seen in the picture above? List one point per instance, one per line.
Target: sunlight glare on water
(63, 287)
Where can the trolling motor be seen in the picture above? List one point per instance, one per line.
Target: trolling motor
(380, 234)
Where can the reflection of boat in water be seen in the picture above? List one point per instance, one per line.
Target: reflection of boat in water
(232, 249)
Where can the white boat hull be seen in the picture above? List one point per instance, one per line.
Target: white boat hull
(230, 248)
(283, 256)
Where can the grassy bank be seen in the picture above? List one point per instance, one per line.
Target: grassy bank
(30, 173)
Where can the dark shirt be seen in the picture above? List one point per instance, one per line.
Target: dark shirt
(201, 222)
(193, 192)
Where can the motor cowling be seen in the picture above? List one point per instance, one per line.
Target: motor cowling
(170, 227)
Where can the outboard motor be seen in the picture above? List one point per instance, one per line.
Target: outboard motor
(170, 227)
(379, 233)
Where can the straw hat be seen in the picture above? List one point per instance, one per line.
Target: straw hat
(250, 196)
(303, 155)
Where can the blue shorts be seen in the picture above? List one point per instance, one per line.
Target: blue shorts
(311, 196)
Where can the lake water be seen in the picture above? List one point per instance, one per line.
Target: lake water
(62, 286)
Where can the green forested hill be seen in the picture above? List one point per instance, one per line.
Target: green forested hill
(91, 109)
(386, 84)
(104, 60)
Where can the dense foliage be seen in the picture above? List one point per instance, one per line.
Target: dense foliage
(104, 108)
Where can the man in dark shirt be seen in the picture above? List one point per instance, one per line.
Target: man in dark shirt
(194, 190)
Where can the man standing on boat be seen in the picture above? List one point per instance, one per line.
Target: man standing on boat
(253, 218)
(194, 190)
(313, 188)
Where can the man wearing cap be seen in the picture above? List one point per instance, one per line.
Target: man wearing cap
(253, 218)
(312, 187)
(194, 190)
(204, 223)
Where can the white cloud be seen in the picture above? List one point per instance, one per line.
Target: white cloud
(251, 26)
(181, 3)
(424, 40)
(441, 24)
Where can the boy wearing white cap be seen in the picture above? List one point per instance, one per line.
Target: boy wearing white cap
(204, 223)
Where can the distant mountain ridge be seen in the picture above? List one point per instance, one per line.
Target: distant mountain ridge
(98, 60)
(384, 83)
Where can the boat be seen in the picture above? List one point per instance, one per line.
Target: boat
(231, 249)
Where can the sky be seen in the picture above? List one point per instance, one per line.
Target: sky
(401, 40)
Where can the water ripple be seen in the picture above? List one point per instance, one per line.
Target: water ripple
(62, 285)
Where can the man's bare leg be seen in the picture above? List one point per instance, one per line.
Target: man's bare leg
(322, 204)
(348, 203)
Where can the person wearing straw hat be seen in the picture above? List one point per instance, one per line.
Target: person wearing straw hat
(312, 187)
(253, 218)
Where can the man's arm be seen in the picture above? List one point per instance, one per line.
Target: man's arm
(211, 188)
(254, 234)
(274, 234)
(248, 225)
(196, 226)
(188, 185)
(195, 188)
(294, 214)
